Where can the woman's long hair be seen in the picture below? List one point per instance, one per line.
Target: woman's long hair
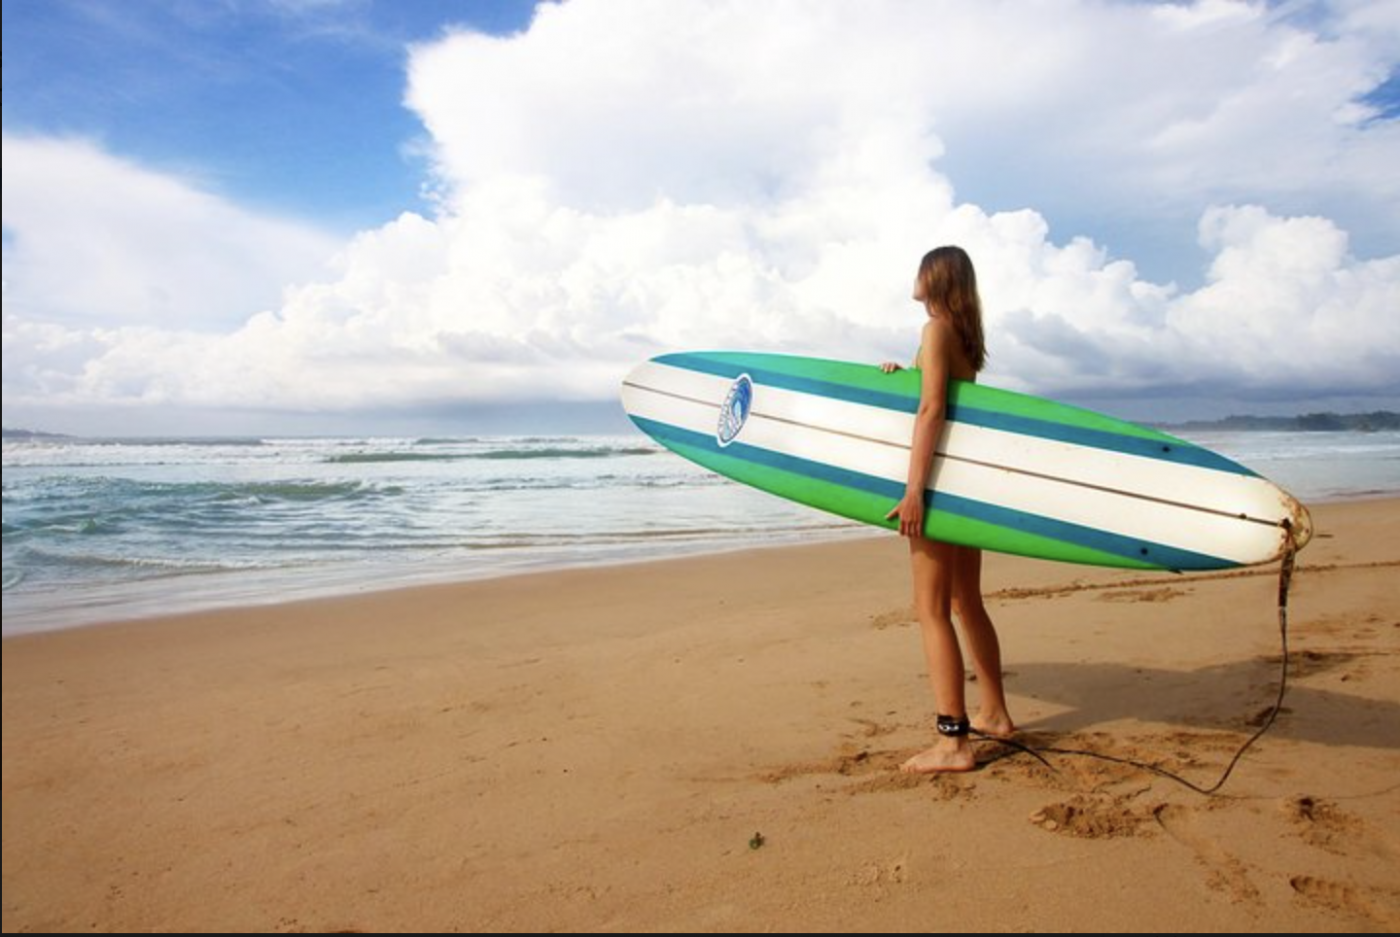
(950, 285)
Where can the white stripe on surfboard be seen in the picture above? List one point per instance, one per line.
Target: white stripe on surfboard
(1113, 512)
(1202, 488)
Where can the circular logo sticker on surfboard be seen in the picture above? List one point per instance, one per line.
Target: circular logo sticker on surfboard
(734, 413)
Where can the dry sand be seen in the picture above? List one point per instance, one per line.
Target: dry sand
(597, 750)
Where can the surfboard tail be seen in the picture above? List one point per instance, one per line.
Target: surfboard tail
(1298, 525)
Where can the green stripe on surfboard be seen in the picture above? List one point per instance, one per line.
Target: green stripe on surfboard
(871, 509)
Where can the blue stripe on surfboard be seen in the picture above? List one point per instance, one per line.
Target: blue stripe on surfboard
(1128, 547)
(807, 385)
(1176, 454)
(1182, 454)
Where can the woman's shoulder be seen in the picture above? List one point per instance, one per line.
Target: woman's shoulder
(940, 337)
(929, 342)
(937, 331)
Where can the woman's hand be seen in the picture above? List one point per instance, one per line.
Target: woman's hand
(911, 514)
(889, 367)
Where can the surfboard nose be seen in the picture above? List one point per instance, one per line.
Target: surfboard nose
(631, 384)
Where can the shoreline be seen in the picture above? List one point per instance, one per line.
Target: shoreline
(595, 749)
(297, 584)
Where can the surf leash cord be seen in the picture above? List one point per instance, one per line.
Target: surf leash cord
(1285, 581)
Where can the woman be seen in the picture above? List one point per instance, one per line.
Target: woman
(948, 578)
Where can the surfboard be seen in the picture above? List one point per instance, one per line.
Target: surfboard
(1013, 473)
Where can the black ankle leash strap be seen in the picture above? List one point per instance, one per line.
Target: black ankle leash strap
(953, 726)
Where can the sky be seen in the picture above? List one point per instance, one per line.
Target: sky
(338, 216)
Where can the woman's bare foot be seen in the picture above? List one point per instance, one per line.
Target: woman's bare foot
(994, 725)
(949, 755)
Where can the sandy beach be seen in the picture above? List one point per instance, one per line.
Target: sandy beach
(712, 743)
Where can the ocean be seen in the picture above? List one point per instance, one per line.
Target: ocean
(100, 530)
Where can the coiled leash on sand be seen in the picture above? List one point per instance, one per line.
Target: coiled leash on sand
(1285, 581)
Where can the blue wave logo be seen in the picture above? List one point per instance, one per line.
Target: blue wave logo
(735, 411)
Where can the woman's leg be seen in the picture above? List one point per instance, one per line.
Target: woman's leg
(982, 644)
(934, 567)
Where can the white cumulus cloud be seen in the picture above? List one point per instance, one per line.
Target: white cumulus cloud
(629, 177)
(94, 240)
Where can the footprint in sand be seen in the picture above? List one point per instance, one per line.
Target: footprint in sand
(898, 617)
(1094, 817)
(876, 874)
(1322, 824)
(1224, 871)
(1381, 908)
(871, 729)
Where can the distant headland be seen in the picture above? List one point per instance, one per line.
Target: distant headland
(8, 433)
(1374, 422)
